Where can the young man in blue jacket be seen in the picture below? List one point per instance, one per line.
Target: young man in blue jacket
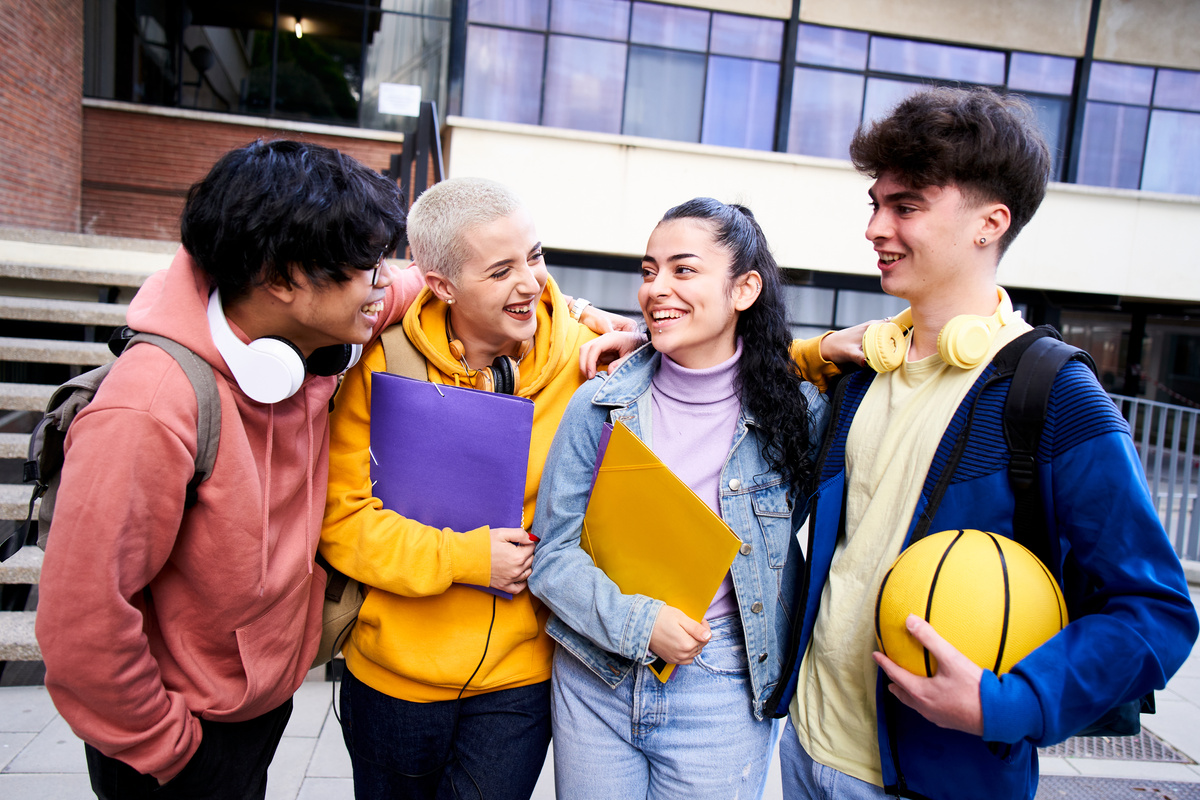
(957, 174)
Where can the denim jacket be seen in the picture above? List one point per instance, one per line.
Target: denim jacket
(610, 631)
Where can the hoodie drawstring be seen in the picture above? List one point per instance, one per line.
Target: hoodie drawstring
(266, 506)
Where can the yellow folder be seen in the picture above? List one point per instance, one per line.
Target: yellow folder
(652, 535)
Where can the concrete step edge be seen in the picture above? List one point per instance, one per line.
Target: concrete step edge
(18, 642)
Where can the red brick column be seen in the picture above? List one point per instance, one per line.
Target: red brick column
(41, 113)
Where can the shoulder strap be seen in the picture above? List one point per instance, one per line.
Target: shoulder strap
(401, 355)
(208, 423)
(1025, 409)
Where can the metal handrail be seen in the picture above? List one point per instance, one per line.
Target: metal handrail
(1165, 437)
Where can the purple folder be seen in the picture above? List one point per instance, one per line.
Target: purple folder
(449, 457)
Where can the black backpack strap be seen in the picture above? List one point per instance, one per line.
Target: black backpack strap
(1024, 419)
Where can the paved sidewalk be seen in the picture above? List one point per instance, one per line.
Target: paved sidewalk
(41, 758)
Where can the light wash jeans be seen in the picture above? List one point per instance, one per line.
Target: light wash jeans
(693, 736)
(805, 779)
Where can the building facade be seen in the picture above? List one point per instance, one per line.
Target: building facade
(604, 113)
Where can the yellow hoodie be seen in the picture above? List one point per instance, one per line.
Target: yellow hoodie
(419, 635)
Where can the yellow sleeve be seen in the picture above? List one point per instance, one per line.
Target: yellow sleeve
(814, 369)
(374, 545)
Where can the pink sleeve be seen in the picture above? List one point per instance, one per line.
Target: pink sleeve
(401, 293)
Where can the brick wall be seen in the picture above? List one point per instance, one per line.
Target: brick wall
(137, 167)
(41, 91)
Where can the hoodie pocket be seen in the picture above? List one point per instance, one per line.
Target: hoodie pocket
(271, 648)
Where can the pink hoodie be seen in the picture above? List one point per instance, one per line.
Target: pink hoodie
(231, 621)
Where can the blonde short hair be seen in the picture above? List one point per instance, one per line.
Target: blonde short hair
(442, 217)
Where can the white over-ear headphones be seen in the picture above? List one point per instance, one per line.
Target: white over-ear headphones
(271, 369)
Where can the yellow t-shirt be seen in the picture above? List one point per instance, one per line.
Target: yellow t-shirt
(889, 448)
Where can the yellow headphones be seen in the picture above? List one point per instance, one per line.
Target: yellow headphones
(963, 342)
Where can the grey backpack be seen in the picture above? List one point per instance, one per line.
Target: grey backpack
(44, 465)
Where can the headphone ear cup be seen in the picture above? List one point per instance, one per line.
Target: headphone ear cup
(276, 377)
(485, 381)
(334, 359)
(884, 345)
(964, 341)
(506, 377)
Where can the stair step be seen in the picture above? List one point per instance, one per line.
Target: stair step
(89, 265)
(14, 501)
(54, 351)
(25, 566)
(14, 445)
(74, 312)
(25, 396)
(17, 639)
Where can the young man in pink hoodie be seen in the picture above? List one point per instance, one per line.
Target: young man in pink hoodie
(174, 636)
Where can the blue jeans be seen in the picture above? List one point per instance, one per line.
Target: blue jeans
(805, 779)
(485, 747)
(694, 736)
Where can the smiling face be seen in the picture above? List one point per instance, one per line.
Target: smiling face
(495, 296)
(336, 313)
(688, 298)
(926, 239)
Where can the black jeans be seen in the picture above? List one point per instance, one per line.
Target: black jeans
(231, 762)
(485, 747)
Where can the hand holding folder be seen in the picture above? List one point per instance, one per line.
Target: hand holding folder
(650, 533)
(449, 457)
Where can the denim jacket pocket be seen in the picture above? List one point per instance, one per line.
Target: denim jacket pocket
(772, 505)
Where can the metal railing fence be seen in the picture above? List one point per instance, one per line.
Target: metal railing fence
(1166, 440)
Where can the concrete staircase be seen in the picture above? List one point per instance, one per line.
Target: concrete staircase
(60, 295)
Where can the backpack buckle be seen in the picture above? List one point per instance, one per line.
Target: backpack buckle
(1021, 468)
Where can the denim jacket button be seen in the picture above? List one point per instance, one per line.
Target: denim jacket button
(734, 484)
(757, 607)
(745, 549)
(762, 657)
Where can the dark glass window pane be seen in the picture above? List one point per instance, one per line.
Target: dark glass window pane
(318, 76)
(927, 60)
(604, 19)
(585, 79)
(1111, 154)
(407, 50)
(1177, 89)
(883, 95)
(1038, 73)
(663, 94)
(515, 13)
(1052, 115)
(831, 47)
(1120, 83)
(752, 37)
(739, 103)
(223, 68)
(669, 26)
(1173, 153)
(503, 78)
(825, 112)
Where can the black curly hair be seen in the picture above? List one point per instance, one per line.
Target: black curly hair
(272, 207)
(768, 380)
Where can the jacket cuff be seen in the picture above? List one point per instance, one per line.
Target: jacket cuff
(642, 616)
(1011, 711)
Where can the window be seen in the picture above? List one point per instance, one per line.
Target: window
(1141, 129)
(843, 78)
(622, 66)
(318, 61)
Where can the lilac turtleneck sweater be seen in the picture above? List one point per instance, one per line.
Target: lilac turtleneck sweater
(695, 414)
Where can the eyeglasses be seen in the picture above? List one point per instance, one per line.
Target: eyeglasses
(378, 266)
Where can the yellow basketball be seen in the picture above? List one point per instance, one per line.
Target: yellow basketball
(985, 594)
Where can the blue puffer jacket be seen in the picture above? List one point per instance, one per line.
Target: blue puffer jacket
(1132, 622)
(610, 631)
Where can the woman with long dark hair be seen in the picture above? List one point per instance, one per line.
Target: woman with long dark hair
(717, 397)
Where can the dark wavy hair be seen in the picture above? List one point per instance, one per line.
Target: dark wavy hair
(988, 145)
(768, 380)
(272, 207)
